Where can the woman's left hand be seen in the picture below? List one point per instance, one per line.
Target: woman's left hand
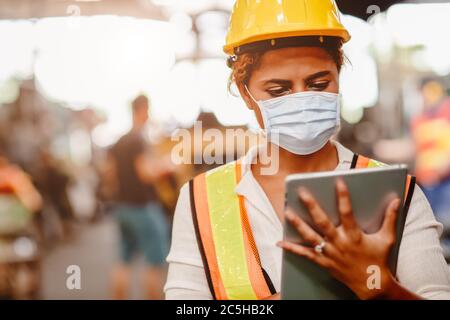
(349, 254)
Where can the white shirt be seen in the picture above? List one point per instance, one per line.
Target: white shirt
(421, 266)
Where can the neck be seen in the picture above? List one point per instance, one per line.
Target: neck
(326, 159)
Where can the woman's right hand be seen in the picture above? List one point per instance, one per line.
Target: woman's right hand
(346, 251)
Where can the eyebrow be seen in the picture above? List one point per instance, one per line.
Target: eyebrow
(307, 79)
(317, 75)
(278, 81)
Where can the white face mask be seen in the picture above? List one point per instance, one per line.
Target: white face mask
(301, 123)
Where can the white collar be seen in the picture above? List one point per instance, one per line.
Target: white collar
(253, 192)
(345, 157)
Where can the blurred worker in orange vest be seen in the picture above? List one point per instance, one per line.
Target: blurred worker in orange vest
(431, 133)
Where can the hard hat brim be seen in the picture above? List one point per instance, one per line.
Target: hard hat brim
(279, 43)
(238, 48)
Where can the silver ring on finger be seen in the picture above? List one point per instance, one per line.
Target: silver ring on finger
(320, 247)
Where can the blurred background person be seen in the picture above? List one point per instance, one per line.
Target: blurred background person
(431, 134)
(53, 183)
(142, 223)
(20, 275)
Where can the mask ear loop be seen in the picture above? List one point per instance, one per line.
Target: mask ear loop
(251, 96)
(338, 113)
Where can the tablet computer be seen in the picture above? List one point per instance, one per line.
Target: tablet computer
(370, 192)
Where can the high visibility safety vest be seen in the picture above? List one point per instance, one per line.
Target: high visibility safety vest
(227, 246)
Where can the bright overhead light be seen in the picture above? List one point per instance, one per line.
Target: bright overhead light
(194, 5)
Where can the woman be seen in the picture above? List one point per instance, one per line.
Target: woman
(285, 60)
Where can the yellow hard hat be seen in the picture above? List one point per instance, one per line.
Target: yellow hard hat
(257, 20)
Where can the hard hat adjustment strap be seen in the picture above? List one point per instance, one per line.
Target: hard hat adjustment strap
(278, 43)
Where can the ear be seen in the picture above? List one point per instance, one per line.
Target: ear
(251, 104)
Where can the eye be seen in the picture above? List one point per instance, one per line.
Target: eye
(318, 85)
(278, 91)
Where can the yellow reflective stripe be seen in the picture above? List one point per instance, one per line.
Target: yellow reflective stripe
(227, 232)
(374, 164)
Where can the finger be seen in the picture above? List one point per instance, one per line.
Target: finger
(390, 219)
(317, 214)
(345, 209)
(305, 231)
(308, 234)
(306, 252)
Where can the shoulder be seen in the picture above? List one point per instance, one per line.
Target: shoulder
(186, 276)
(183, 207)
(421, 265)
(184, 237)
(184, 247)
(420, 214)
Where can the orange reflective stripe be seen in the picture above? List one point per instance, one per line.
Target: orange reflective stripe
(207, 240)
(362, 162)
(407, 187)
(257, 279)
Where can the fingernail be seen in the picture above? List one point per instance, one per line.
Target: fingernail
(303, 193)
(397, 204)
(340, 183)
(288, 215)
